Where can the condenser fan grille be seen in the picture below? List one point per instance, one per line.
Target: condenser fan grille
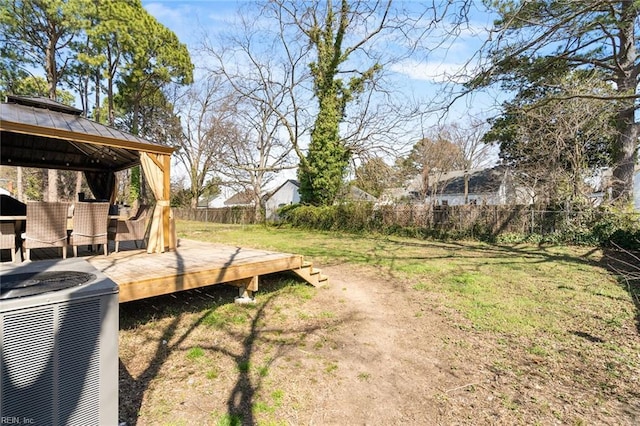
(32, 283)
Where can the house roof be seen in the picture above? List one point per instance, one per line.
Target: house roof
(480, 181)
(39, 132)
(357, 194)
(291, 181)
(242, 198)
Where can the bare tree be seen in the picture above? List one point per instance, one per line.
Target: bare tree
(430, 158)
(257, 154)
(374, 176)
(269, 79)
(267, 72)
(346, 60)
(469, 139)
(207, 129)
(273, 58)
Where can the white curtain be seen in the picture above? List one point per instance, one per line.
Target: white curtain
(162, 230)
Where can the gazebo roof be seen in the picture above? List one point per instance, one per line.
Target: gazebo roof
(39, 132)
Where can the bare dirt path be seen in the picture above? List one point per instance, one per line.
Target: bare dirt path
(403, 358)
(387, 352)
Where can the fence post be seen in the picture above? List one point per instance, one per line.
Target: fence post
(532, 224)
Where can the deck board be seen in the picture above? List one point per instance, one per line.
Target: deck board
(192, 264)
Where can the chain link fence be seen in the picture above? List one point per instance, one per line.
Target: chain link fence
(468, 220)
(494, 219)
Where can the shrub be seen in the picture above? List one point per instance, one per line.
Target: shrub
(615, 226)
(598, 227)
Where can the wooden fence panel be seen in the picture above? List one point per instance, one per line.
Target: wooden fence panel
(230, 215)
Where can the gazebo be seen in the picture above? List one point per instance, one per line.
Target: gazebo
(41, 133)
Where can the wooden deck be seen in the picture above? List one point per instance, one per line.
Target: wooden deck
(193, 264)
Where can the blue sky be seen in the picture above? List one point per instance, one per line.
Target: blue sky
(416, 76)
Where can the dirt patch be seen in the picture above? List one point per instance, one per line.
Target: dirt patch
(365, 349)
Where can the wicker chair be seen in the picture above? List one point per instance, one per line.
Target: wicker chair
(90, 221)
(8, 238)
(132, 229)
(46, 227)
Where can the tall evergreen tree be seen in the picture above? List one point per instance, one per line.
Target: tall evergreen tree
(536, 38)
(157, 59)
(39, 33)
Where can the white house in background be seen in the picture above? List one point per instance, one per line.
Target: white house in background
(289, 193)
(286, 194)
(218, 201)
(240, 199)
(601, 184)
(494, 186)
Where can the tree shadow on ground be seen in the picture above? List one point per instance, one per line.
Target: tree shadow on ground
(389, 249)
(203, 302)
(625, 265)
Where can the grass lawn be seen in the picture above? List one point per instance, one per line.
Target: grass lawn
(542, 333)
(519, 289)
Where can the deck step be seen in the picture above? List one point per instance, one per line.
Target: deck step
(311, 275)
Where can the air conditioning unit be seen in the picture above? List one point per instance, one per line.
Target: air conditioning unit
(58, 344)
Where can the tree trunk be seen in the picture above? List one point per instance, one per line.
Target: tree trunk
(466, 187)
(96, 116)
(50, 65)
(625, 150)
(78, 183)
(625, 158)
(110, 106)
(52, 179)
(52, 79)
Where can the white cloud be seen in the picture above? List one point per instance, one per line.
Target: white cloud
(178, 19)
(161, 12)
(430, 71)
(189, 20)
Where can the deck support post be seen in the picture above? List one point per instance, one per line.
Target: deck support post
(246, 288)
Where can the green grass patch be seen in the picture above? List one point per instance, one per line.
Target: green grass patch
(269, 407)
(331, 367)
(244, 366)
(263, 371)
(421, 286)
(228, 315)
(227, 419)
(195, 353)
(365, 377)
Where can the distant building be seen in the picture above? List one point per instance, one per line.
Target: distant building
(286, 194)
(289, 193)
(353, 193)
(601, 187)
(494, 186)
(240, 199)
